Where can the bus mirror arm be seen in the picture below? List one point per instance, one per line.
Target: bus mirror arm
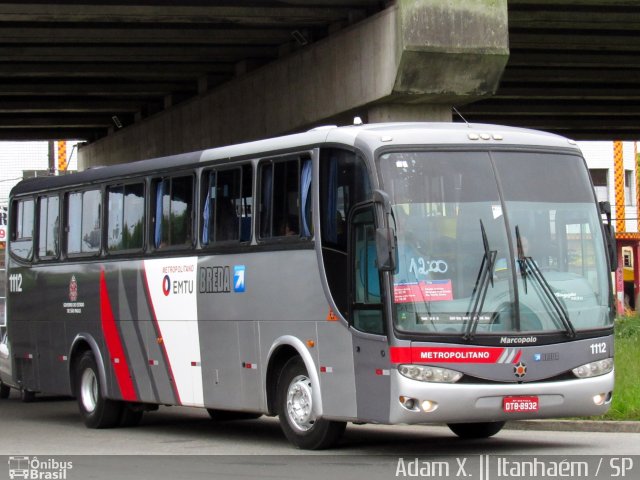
(383, 199)
(386, 242)
(610, 237)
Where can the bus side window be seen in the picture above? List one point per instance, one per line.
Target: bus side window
(208, 180)
(84, 225)
(125, 228)
(246, 203)
(344, 182)
(173, 212)
(285, 200)
(49, 226)
(367, 306)
(226, 205)
(22, 226)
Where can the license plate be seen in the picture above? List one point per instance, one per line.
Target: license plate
(520, 404)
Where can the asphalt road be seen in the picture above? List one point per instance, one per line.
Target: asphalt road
(52, 428)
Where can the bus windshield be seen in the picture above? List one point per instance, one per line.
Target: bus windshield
(495, 243)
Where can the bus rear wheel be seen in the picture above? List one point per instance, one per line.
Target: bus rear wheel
(295, 410)
(27, 396)
(476, 430)
(5, 390)
(96, 410)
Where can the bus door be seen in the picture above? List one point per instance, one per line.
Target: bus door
(367, 318)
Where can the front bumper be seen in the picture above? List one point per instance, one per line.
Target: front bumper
(469, 403)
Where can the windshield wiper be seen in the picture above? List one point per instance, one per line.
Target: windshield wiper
(522, 260)
(481, 287)
(529, 267)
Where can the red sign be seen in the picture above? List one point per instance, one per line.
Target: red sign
(520, 404)
(425, 291)
(447, 354)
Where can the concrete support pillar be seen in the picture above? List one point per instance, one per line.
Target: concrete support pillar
(636, 274)
(636, 159)
(412, 61)
(619, 286)
(618, 175)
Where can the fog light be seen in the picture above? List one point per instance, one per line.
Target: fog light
(600, 399)
(429, 406)
(408, 403)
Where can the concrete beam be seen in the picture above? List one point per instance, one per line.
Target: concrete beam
(413, 60)
(172, 14)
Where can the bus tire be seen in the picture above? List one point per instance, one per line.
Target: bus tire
(27, 396)
(5, 390)
(476, 430)
(295, 410)
(96, 410)
(228, 415)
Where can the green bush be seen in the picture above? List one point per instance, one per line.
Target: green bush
(626, 394)
(628, 327)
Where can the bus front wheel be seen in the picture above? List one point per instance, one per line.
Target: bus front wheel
(295, 410)
(476, 430)
(96, 410)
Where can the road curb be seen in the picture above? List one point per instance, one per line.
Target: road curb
(575, 426)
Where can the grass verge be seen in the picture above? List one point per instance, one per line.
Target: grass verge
(626, 393)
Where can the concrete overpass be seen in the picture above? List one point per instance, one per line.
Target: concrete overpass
(140, 78)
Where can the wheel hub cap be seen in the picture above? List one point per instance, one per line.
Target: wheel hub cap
(300, 403)
(89, 390)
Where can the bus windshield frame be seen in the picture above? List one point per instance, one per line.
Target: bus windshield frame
(495, 243)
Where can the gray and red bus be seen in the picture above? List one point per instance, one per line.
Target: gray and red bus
(392, 273)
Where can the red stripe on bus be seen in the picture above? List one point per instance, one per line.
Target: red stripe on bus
(114, 344)
(517, 359)
(163, 348)
(400, 354)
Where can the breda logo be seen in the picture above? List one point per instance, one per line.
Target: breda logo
(73, 289)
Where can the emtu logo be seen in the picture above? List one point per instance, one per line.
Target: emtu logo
(166, 285)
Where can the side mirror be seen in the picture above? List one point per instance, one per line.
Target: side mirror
(386, 245)
(610, 234)
(612, 246)
(386, 242)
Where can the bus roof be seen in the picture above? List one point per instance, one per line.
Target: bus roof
(372, 136)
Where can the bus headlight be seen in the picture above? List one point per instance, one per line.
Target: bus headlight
(594, 369)
(425, 373)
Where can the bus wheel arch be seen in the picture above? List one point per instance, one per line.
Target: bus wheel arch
(284, 349)
(81, 344)
(299, 421)
(88, 381)
(96, 409)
